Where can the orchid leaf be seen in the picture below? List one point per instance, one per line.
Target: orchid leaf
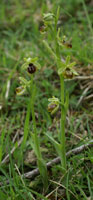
(55, 143)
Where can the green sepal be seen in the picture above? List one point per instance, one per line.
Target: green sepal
(54, 100)
(34, 59)
(71, 65)
(48, 16)
(38, 66)
(67, 60)
(74, 72)
(30, 60)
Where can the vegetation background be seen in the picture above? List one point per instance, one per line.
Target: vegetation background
(20, 36)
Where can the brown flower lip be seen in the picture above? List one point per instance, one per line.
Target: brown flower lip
(67, 44)
(42, 29)
(68, 74)
(31, 68)
(51, 107)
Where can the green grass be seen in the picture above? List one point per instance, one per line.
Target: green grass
(20, 37)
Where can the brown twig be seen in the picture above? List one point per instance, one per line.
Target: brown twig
(32, 174)
(81, 78)
(75, 151)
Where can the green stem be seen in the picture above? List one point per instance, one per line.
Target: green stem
(34, 123)
(40, 161)
(62, 125)
(26, 126)
(56, 45)
(63, 114)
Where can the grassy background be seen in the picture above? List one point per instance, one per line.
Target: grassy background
(20, 36)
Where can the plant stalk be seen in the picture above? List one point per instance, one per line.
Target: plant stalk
(34, 124)
(62, 125)
(40, 161)
(63, 114)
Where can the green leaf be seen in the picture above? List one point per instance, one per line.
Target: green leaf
(74, 72)
(40, 161)
(33, 144)
(1, 144)
(55, 143)
(82, 192)
(43, 171)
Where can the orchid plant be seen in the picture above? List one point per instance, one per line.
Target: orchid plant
(65, 69)
(30, 66)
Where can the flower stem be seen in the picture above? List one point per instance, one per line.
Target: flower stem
(34, 123)
(62, 126)
(26, 126)
(40, 161)
(63, 114)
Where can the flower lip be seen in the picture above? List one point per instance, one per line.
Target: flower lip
(67, 44)
(68, 74)
(30, 64)
(51, 107)
(31, 68)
